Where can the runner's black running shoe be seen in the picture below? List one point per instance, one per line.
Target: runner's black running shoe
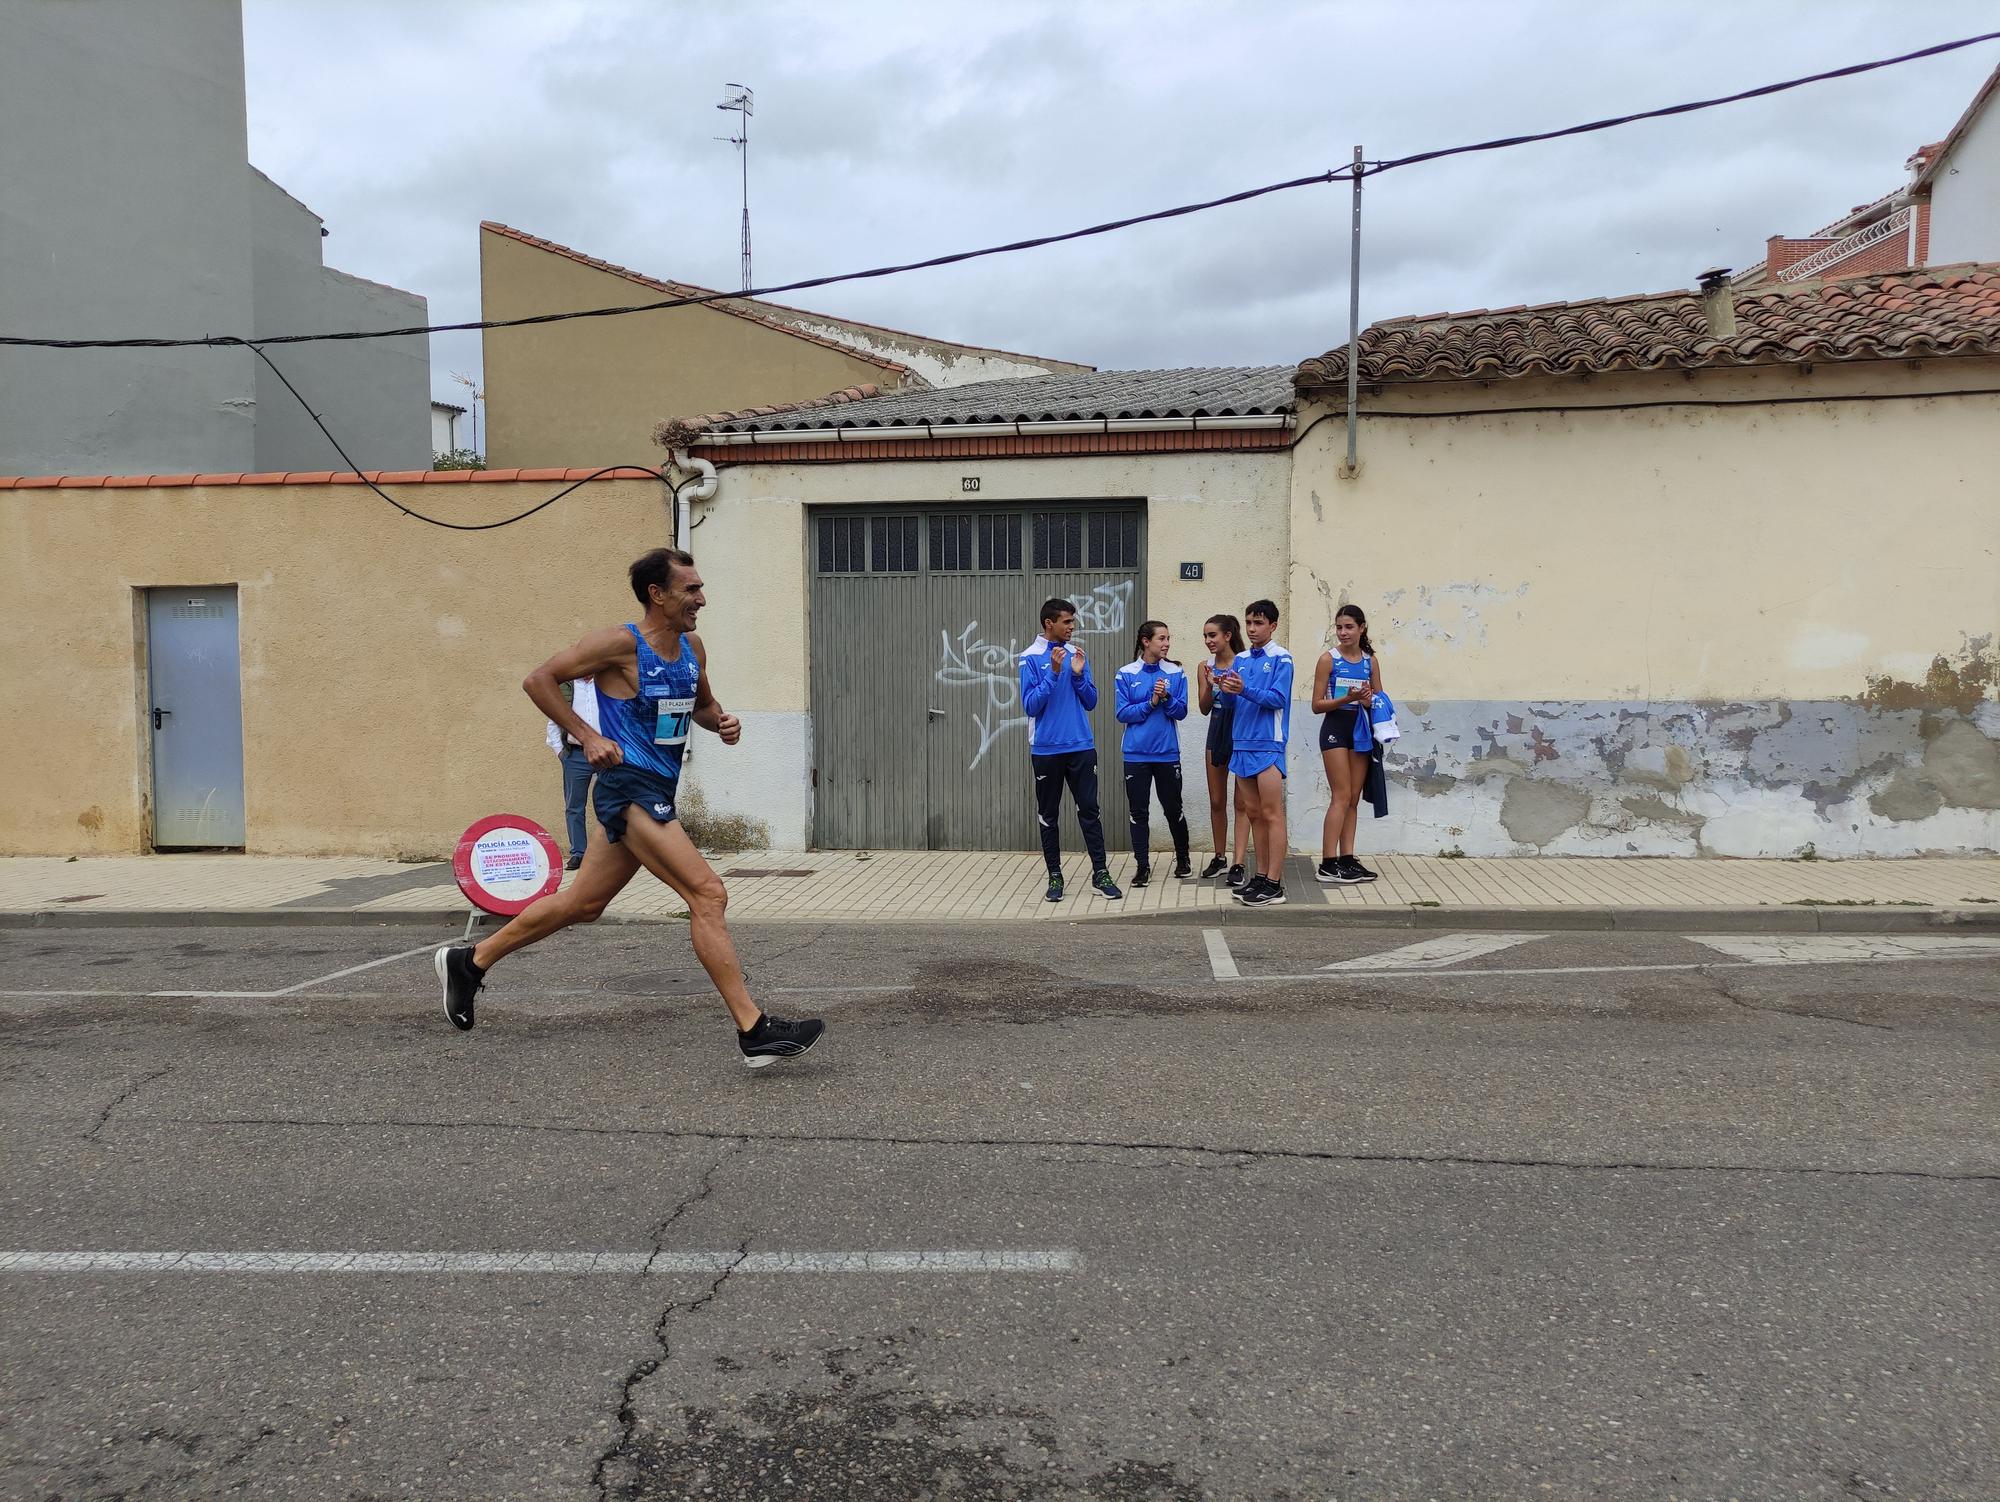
(1054, 893)
(1328, 870)
(1141, 876)
(1183, 867)
(462, 980)
(1247, 892)
(1105, 886)
(773, 1038)
(1355, 870)
(1215, 867)
(1236, 876)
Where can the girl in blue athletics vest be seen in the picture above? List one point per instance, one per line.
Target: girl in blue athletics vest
(1345, 683)
(1223, 636)
(1152, 701)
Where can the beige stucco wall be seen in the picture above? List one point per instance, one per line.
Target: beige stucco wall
(1227, 510)
(1748, 630)
(381, 658)
(589, 392)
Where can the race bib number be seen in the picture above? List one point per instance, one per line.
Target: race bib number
(674, 716)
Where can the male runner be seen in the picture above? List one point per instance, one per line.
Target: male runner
(652, 683)
(1262, 678)
(1057, 695)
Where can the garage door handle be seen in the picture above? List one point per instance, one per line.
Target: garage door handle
(158, 715)
(936, 714)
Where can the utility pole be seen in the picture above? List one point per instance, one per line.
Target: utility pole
(742, 102)
(1354, 317)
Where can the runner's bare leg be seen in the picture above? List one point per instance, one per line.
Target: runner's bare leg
(602, 876)
(666, 851)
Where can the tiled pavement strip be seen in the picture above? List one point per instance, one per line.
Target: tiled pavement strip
(1006, 886)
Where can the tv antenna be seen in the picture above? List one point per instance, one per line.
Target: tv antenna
(742, 102)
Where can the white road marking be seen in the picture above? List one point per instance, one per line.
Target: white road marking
(1435, 954)
(1820, 949)
(1220, 960)
(1062, 1260)
(350, 970)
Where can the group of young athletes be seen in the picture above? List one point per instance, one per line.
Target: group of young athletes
(652, 687)
(1244, 687)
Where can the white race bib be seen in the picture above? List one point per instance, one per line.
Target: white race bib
(673, 717)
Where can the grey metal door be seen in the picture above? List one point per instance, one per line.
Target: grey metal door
(196, 717)
(943, 687)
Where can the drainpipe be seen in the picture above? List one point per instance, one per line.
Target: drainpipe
(689, 491)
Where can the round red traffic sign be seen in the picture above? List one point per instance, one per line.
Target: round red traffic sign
(506, 861)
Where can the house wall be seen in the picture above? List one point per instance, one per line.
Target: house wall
(381, 659)
(1965, 194)
(444, 438)
(373, 393)
(1747, 631)
(590, 391)
(1226, 510)
(936, 362)
(125, 213)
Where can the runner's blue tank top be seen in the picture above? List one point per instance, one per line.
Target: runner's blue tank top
(652, 729)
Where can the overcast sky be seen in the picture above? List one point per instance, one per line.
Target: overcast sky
(889, 132)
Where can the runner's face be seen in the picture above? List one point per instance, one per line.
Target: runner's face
(1213, 639)
(1347, 631)
(681, 600)
(1061, 629)
(1157, 645)
(1256, 630)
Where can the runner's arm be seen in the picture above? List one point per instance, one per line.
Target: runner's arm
(597, 652)
(1275, 691)
(1086, 689)
(1324, 702)
(1205, 687)
(1132, 701)
(1036, 681)
(1176, 705)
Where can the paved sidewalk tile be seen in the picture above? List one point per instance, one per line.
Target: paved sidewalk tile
(1002, 886)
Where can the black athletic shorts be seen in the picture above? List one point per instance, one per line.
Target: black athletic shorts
(619, 787)
(1336, 729)
(1219, 726)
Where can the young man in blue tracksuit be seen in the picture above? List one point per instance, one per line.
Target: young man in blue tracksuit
(1057, 694)
(1152, 700)
(1261, 680)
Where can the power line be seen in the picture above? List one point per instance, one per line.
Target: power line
(418, 515)
(1012, 247)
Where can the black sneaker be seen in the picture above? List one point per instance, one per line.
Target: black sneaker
(1328, 870)
(1356, 871)
(1236, 876)
(1269, 894)
(462, 980)
(1341, 868)
(1142, 876)
(1183, 867)
(773, 1038)
(1215, 867)
(1248, 891)
(1054, 893)
(1105, 886)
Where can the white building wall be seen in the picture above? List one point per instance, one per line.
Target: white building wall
(1965, 195)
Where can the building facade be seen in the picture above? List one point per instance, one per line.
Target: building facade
(132, 211)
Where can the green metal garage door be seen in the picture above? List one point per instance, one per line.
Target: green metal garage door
(918, 618)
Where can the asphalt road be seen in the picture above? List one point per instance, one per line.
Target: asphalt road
(1582, 1216)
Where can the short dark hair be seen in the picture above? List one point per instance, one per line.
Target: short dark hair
(1265, 608)
(657, 567)
(1056, 609)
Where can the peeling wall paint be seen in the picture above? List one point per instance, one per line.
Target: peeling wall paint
(1758, 778)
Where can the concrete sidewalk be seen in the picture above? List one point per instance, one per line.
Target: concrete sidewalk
(1006, 886)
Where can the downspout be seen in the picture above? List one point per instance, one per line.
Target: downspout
(689, 491)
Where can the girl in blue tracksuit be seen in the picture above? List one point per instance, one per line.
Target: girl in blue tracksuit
(1152, 701)
(1345, 683)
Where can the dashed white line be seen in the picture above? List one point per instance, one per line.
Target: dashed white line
(946, 1261)
(1220, 961)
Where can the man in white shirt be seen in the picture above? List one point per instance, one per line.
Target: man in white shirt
(582, 697)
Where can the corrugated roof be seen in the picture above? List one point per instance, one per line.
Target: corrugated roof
(1938, 311)
(1217, 391)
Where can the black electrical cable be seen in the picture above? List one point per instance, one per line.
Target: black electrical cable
(434, 521)
(1369, 169)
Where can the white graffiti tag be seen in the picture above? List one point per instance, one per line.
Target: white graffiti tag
(970, 661)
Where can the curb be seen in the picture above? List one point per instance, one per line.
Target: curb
(1797, 918)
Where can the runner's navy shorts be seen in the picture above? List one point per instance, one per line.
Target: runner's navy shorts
(621, 787)
(1251, 763)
